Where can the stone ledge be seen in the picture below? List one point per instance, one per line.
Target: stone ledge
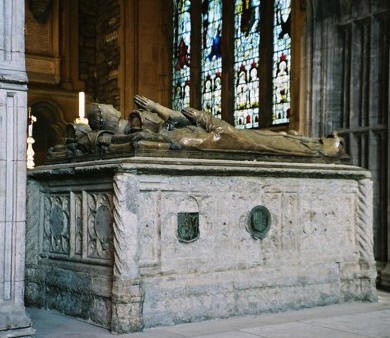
(159, 165)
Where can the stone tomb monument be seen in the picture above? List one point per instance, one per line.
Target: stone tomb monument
(156, 238)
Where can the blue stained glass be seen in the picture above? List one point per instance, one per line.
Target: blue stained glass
(181, 54)
(246, 63)
(281, 62)
(211, 56)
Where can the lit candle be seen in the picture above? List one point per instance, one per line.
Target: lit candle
(81, 105)
(33, 119)
(30, 123)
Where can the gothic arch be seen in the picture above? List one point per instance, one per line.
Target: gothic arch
(49, 129)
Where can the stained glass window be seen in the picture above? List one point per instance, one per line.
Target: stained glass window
(211, 78)
(246, 62)
(240, 60)
(281, 61)
(181, 54)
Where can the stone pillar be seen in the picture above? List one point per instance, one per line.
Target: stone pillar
(127, 293)
(13, 112)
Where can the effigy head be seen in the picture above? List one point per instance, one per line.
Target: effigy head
(103, 117)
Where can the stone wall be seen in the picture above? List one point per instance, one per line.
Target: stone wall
(113, 242)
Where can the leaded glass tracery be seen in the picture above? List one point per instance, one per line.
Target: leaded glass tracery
(211, 63)
(256, 81)
(181, 54)
(281, 62)
(246, 62)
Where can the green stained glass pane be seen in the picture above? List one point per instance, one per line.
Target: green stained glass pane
(181, 54)
(281, 62)
(246, 63)
(211, 78)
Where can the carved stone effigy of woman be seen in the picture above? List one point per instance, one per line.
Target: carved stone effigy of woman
(199, 130)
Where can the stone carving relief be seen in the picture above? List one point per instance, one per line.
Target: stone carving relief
(364, 236)
(78, 237)
(290, 219)
(78, 225)
(56, 224)
(151, 224)
(100, 221)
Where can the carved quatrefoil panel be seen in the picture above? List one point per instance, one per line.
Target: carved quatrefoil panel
(56, 224)
(100, 225)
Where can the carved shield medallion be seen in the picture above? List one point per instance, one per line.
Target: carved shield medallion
(259, 222)
(187, 226)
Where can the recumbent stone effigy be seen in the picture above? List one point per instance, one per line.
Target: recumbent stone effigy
(154, 126)
(171, 217)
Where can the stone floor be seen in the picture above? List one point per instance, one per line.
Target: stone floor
(354, 320)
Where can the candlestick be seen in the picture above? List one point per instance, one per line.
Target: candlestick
(29, 124)
(30, 153)
(30, 140)
(81, 118)
(30, 121)
(81, 105)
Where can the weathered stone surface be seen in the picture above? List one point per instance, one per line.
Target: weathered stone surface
(318, 249)
(70, 248)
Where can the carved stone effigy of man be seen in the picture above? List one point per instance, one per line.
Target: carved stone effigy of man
(198, 130)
